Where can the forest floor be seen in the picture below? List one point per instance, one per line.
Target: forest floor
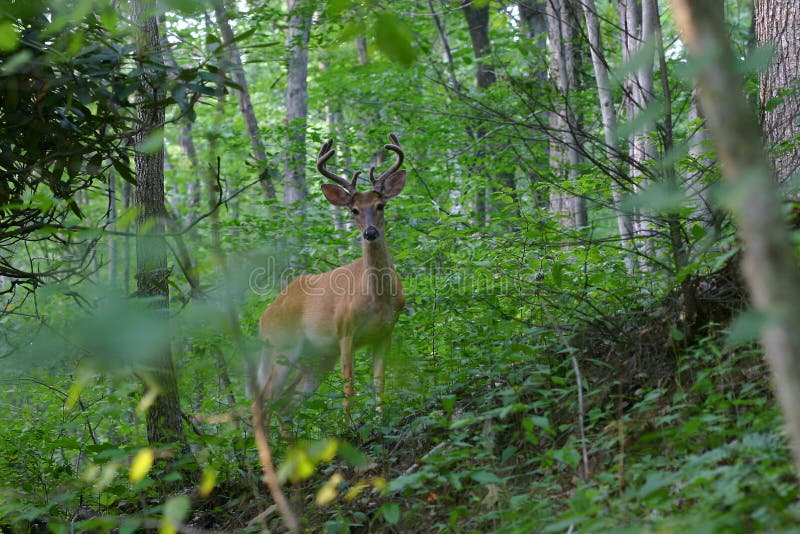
(677, 437)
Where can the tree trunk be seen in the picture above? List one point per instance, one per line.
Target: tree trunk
(296, 101)
(608, 113)
(477, 18)
(113, 253)
(245, 104)
(564, 145)
(700, 163)
(186, 141)
(770, 266)
(164, 423)
(127, 195)
(446, 53)
(777, 24)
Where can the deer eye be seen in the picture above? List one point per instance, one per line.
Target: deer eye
(354, 210)
(380, 207)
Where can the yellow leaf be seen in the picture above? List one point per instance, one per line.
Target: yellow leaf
(167, 527)
(353, 492)
(76, 388)
(379, 483)
(329, 491)
(141, 464)
(329, 451)
(208, 482)
(304, 467)
(148, 399)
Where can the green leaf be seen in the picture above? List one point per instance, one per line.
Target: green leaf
(485, 477)
(747, 328)
(394, 39)
(351, 455)
(391, 513)
(659, 197)
(175, 511)
(152, 143)
(9, 39)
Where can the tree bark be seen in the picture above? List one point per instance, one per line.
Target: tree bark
(446, 53)
(245, 103)
(113, 252)
(608, 113)
(534, 17)
(477, 18)
(777, 24)
(770, 266)
(699, 165)
(296, 101)
(478, 26)
(564, 145)
(164, 423)
(127, 196)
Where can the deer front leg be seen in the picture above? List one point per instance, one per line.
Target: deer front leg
(346, 359)
(379, 353)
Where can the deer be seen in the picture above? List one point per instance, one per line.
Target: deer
(318, 318)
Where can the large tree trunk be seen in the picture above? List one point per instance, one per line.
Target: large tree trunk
(777, 24)
(296, 101)
(245, 104)
(164, 423)
(770, 266)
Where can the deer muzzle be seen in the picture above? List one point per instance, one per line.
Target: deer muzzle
(371, 233)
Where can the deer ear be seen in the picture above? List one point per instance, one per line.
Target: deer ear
(393, 184)
(336, 195)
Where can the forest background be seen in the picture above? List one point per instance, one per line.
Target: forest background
(577, 350)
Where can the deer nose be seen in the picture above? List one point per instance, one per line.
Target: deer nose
(371, 233)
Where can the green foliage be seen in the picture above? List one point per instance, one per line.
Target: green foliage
(479, 430)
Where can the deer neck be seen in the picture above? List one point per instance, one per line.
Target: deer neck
(378, 269)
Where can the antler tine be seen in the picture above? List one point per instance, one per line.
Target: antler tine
(355, 180)
(326, 153)
(394, 146)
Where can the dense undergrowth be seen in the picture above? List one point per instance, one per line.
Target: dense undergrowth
(484, 426)
(687, 440)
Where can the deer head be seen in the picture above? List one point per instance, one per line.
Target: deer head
(367, 208)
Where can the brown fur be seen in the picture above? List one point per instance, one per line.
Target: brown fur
(319, 318)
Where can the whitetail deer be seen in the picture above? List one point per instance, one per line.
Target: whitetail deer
(318, 318)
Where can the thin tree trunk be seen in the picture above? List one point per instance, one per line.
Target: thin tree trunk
(641, 35)
(164, 423)
(700, 164)
(113, 252)
(564, 146)
(186, 141)
(127, 194)
(245, 103)
(446, 53)
(608, 113)
(477, 18)
(770, 266)
(296, 101)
